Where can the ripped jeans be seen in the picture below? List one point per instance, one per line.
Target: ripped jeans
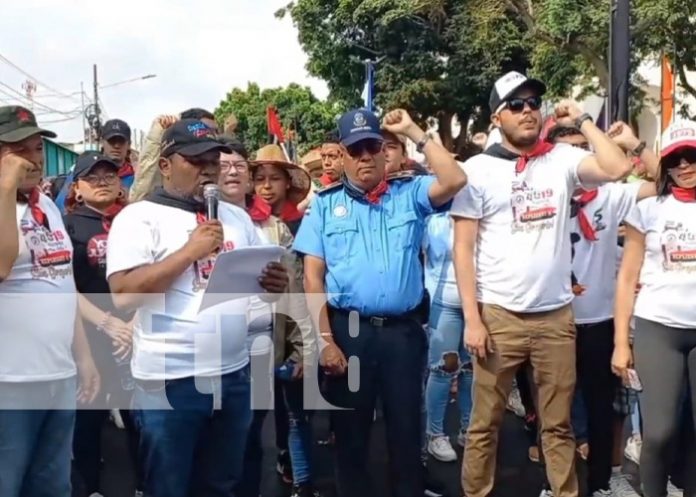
(447, 359)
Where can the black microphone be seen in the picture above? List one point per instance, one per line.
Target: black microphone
(211, 195)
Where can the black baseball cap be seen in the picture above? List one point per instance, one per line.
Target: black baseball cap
(509, 84)
(88, 161)
(190, 137)
(114, 128)
(358, 125)
(18, 123)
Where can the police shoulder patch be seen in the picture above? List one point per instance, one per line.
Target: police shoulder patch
(329, 188)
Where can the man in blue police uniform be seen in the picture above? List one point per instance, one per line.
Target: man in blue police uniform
(361, 240)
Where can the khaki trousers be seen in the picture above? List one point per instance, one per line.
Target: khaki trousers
(547, 339)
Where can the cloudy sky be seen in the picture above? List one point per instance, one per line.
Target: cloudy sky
(199, 51)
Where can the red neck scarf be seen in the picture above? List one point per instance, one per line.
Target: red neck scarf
(374, 195)
(108, 216)
(684, 194)
(289, 212)
(126, 170)
(541, 148)
(325, 180)
(33, 201)
(585, 224)
(259, 211)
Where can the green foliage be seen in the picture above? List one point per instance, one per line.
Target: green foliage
(299, 110)
(442, 56)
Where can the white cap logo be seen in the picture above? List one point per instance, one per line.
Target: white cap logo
(359, 120)
(508, 82)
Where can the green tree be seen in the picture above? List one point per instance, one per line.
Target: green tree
(308, 118)
(441, 57)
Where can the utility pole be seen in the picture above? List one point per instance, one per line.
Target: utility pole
(85, 135)
(30, 88)
(97, 110)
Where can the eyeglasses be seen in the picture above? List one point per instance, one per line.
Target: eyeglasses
(371, 146)
(107, 179)
(240, 166)
(687, 155)
(517, 104)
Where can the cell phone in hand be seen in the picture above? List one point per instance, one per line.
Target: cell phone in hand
(633, 380)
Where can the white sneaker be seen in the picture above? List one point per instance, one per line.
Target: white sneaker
(632, 450)
(441, 449)
(514, 403)
(546, 493)
(673, 491)
(461, 438)
(620, 486)
(602, 493)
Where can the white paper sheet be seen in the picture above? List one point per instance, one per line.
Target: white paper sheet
(236, 273)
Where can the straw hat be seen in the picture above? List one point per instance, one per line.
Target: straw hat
(312, 160)
(300, 182)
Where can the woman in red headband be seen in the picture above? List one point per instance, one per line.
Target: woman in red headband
(660, 254)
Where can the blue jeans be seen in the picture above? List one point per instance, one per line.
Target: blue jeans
(35, 445)
(446, 329)
(193, 434)
(300, 434)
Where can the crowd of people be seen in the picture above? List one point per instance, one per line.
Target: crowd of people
(549, 274)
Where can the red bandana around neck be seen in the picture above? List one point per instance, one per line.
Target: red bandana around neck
(289, 212)
(126, 170)
(33, 201)
(108, 216)
(684, 194)
(325, 180)
(585, 224)
(541, 148)
(260, 210)
(374, 195)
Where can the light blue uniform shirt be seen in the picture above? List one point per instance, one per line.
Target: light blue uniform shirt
(439, 269)
(371, 251)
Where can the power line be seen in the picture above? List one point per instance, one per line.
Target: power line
(22, 71)
(24, 100)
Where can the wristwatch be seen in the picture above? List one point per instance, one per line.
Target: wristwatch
(584, 117)
(638, 150)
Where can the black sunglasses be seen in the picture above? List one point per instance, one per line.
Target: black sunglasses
(371, 146)
(202, 160)
(674, 159)
(517, 104)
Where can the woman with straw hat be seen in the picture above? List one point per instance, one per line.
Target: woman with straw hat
(280, 184)
(290, 337)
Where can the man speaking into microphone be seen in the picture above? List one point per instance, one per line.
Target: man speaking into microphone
(192, 397)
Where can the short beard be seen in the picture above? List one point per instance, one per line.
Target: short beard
(523, 142)
(186, 195)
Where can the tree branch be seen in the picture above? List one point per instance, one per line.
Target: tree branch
(574, 45)
(682, 77)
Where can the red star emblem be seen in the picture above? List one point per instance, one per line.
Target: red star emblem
(23, 115)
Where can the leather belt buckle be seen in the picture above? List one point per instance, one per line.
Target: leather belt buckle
(379, 322)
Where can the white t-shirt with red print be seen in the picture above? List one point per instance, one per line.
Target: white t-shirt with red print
(38, 301)
(594, 264)
(171, 339)
(668, 275)
(523, 251)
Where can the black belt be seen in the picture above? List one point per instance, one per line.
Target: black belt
(381, 321)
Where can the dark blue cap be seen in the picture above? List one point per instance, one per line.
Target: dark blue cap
(114, 128)
(358, 125)
(88, 161)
